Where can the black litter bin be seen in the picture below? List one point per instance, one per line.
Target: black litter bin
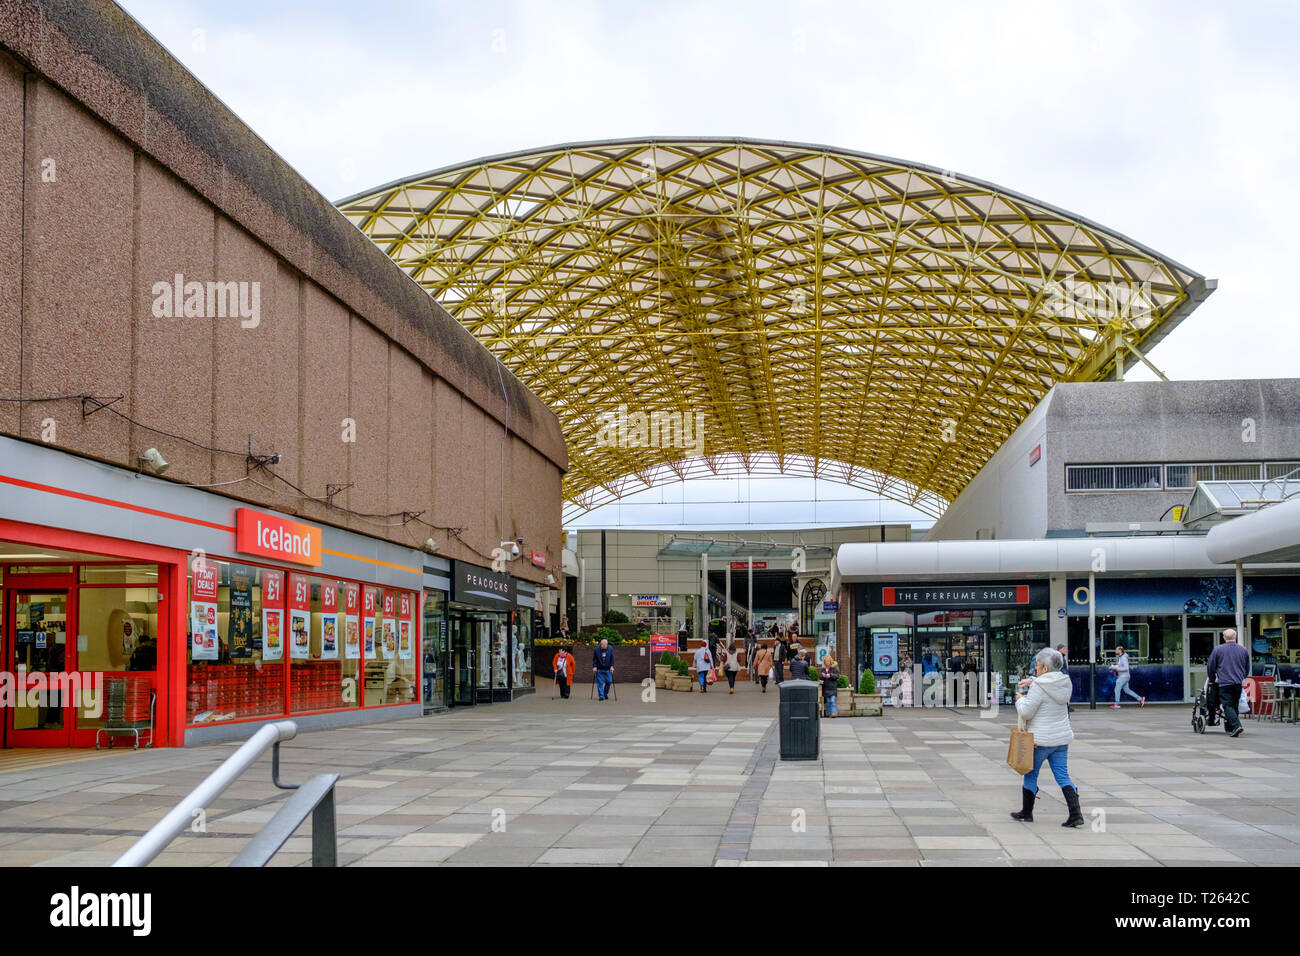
(798, 719)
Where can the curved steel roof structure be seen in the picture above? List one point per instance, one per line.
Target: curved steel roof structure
(826, 312)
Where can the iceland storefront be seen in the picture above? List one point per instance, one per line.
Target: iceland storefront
(131, 603)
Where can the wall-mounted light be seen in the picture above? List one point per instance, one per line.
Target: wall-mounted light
(430, 545)
(154, 460)
(550, 579)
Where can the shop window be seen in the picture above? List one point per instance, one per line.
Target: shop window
(235, 647)
(117, 630)
(321, 676)
(523, 650)
(390, 642)
(501, 653)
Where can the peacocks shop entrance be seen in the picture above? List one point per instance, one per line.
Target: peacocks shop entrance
(489, 639)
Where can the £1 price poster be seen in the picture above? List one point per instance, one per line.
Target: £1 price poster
(272, 615)
(299, 616)
(329, 621)
(368, 623)
(388, 634)
(405, 646)
(351, 622)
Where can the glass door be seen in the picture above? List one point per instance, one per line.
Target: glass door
(38, 623)
(1200, 642)
(483, 656)
(462, 661)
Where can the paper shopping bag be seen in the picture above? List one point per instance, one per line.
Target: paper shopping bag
(1020, 751)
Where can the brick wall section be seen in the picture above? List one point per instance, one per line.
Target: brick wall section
(153, 176)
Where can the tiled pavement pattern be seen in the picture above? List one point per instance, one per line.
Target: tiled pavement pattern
(694, 780)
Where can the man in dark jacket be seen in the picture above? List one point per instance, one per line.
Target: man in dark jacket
(602, 667)
(799, 667)
(1227, 667)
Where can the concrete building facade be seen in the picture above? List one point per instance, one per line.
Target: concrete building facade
(1070, 536)
(175, 298)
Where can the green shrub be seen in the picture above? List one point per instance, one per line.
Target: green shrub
(868, 683)
(615, 617)
(607, 634)
(683, 669)
(843, 681)
(669, 659)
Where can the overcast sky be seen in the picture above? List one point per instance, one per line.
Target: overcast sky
(1173, 123)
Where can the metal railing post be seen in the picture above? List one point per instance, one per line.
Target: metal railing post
(324, 841)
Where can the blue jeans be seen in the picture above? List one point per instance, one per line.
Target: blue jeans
(1055, 757)
(830, 705)
(1121, 684)
(603, 681)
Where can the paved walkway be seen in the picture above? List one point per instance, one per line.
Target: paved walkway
(692, 779)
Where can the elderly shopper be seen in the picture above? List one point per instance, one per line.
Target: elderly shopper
(703, 664)
(1226, 671)
(1044, 708)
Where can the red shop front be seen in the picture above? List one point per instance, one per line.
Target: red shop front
(89, 637)
(100, 633)
(263, 642)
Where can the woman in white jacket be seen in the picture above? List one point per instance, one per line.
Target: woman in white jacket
(1045, 710)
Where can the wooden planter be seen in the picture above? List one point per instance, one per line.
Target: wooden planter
(869, 705)
(662, 675)
(844, 701)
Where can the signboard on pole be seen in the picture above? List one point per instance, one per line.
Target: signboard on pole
(662, 642)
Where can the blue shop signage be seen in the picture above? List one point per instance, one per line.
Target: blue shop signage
(1204, 595)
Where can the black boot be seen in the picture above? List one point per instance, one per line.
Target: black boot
(1026, 814)
(1072, 801)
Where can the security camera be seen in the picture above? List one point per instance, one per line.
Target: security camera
(154, 460)
(510, 547)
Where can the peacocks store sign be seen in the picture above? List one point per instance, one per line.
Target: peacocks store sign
(482, 587)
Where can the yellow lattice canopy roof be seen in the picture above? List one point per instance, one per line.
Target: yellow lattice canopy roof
(828, 313)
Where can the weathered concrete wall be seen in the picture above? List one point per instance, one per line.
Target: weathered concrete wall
(1099, 423)
(118, 170)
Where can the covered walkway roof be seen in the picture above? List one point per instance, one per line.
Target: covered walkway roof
(824, 312)
(1269, 534)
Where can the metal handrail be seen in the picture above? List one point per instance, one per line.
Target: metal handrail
(317, 795)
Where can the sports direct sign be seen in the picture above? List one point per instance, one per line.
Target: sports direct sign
(279, 538)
